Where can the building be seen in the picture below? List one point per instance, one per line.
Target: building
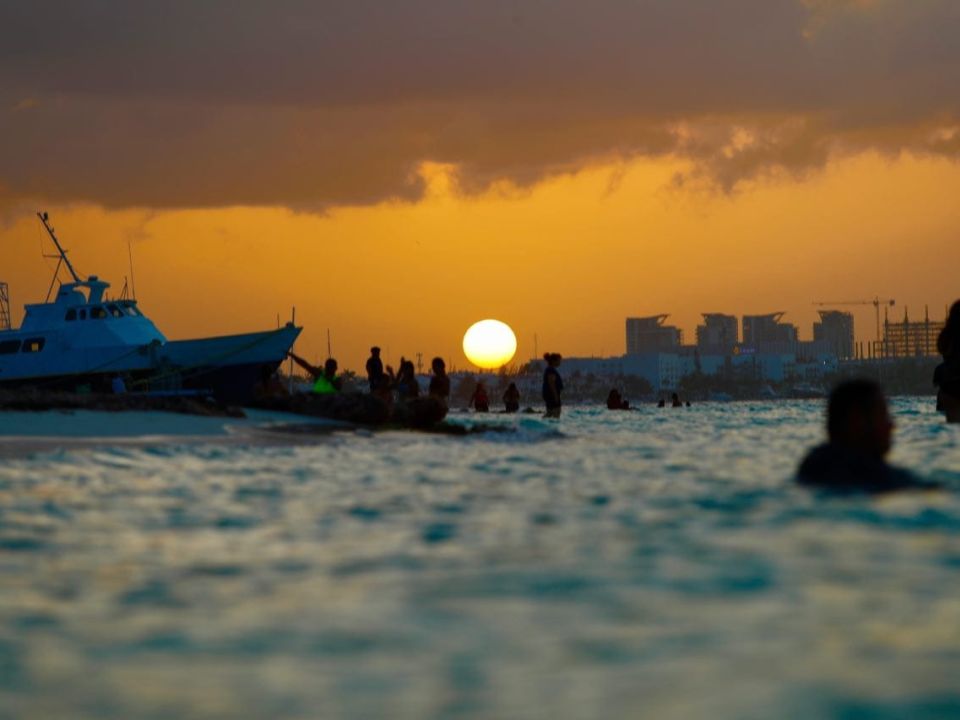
(662, 370)
(767, 333)
(911, 339)
(649, 335)
(835, 329)
(718, 334)
(775, 367)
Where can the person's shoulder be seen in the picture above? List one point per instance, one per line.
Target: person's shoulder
(838, 469)
(815, 459)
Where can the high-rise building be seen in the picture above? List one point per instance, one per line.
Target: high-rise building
(767, 329)
(836, 330)
(718, 332)
(649, 334)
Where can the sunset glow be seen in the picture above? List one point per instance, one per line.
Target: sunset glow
(489, 344)
(566, 184)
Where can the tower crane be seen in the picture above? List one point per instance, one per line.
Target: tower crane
(876, 302)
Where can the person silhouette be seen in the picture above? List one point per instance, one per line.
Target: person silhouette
(479, 399)
(407, 386)
(946, 376)
(675, 400)
(440, 382)
(325, 380)
(374, 368)
(552, 385)
(511, 398)
(615, 401)
(859, 436)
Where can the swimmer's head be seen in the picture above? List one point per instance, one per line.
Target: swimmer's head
(857, 417)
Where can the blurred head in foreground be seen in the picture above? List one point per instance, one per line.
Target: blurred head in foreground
(947, 374)
(859, 431)
(858, 419)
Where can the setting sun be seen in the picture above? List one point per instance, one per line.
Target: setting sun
(489, 344)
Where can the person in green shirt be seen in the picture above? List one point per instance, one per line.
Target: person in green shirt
(325, 380)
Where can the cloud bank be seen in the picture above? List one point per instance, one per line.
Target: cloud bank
(314, 104)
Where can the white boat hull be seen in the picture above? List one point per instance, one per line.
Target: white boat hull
(228, 367)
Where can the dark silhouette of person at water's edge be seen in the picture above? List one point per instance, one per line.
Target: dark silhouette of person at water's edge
(479, 399)
(511, 398)
(615, 401)
(552, 385)
(406, 383)
(946, 376)
(440, 382)
(859, 431)
(374, 369)
(325, 380)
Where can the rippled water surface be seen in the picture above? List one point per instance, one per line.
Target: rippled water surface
(655, 564)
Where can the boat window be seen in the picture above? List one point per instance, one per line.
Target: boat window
(98, 313)
(115, 311)
(33, 345)
(83, 314)
(9, 346)
(71, 315)
(132, 310)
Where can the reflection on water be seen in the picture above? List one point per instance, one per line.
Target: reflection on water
(655, 564)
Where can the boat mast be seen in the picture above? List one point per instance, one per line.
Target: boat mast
(63, 253)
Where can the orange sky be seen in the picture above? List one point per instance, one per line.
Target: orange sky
(567, 259)
(399, 170)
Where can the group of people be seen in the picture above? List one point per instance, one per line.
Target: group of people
(859, 427)
(480, 402)
(386, 384)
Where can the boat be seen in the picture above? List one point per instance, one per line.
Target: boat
(83, 341)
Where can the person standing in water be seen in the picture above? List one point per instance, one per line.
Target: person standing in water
(511, 398)
(407, 386)
(615, 401)
(552, 385)
(440, 382)
(374, 368)
(947, 374)
(859, 436)
(479, 399)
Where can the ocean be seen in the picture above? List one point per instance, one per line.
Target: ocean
(658, 563)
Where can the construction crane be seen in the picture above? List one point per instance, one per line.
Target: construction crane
(876, 302)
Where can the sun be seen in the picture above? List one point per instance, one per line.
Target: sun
(489, 344)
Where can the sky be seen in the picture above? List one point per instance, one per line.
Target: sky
(397, 171)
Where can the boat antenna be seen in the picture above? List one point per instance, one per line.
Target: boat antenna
(133, 281)
(293, 321)
(63, 253)
(329, 350)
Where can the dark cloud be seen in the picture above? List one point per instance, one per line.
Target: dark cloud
(313, 104)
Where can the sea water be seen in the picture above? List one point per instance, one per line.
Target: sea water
(657, 563)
